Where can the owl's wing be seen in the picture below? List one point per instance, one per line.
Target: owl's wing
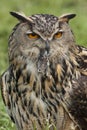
(77, 101)
(5, 83)
(76, 97)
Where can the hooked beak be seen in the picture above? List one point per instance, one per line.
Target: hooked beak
(47, 47)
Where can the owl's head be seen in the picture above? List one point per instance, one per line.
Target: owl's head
(41, 35)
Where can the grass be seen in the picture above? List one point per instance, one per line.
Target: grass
(79, 26)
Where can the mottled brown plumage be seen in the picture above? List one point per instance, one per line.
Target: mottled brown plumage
(46, 82)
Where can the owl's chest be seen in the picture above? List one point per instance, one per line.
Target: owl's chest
(41, 87)
(42, 83)
(35, 96)
(38, 103)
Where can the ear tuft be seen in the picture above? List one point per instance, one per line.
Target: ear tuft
(66, 17)
(21, 17)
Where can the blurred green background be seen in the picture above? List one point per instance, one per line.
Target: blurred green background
(56, 7)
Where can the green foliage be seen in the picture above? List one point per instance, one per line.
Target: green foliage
(56, 7)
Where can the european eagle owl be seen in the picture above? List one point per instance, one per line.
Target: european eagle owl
(46, 82)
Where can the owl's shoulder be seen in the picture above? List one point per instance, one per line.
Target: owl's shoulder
(82, 59)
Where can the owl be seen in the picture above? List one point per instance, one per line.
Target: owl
(45, 85)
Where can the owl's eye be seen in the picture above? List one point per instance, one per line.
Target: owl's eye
(58, 35)
(33, 36)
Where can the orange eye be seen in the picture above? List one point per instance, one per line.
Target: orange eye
(58, 35)
(33, 36)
